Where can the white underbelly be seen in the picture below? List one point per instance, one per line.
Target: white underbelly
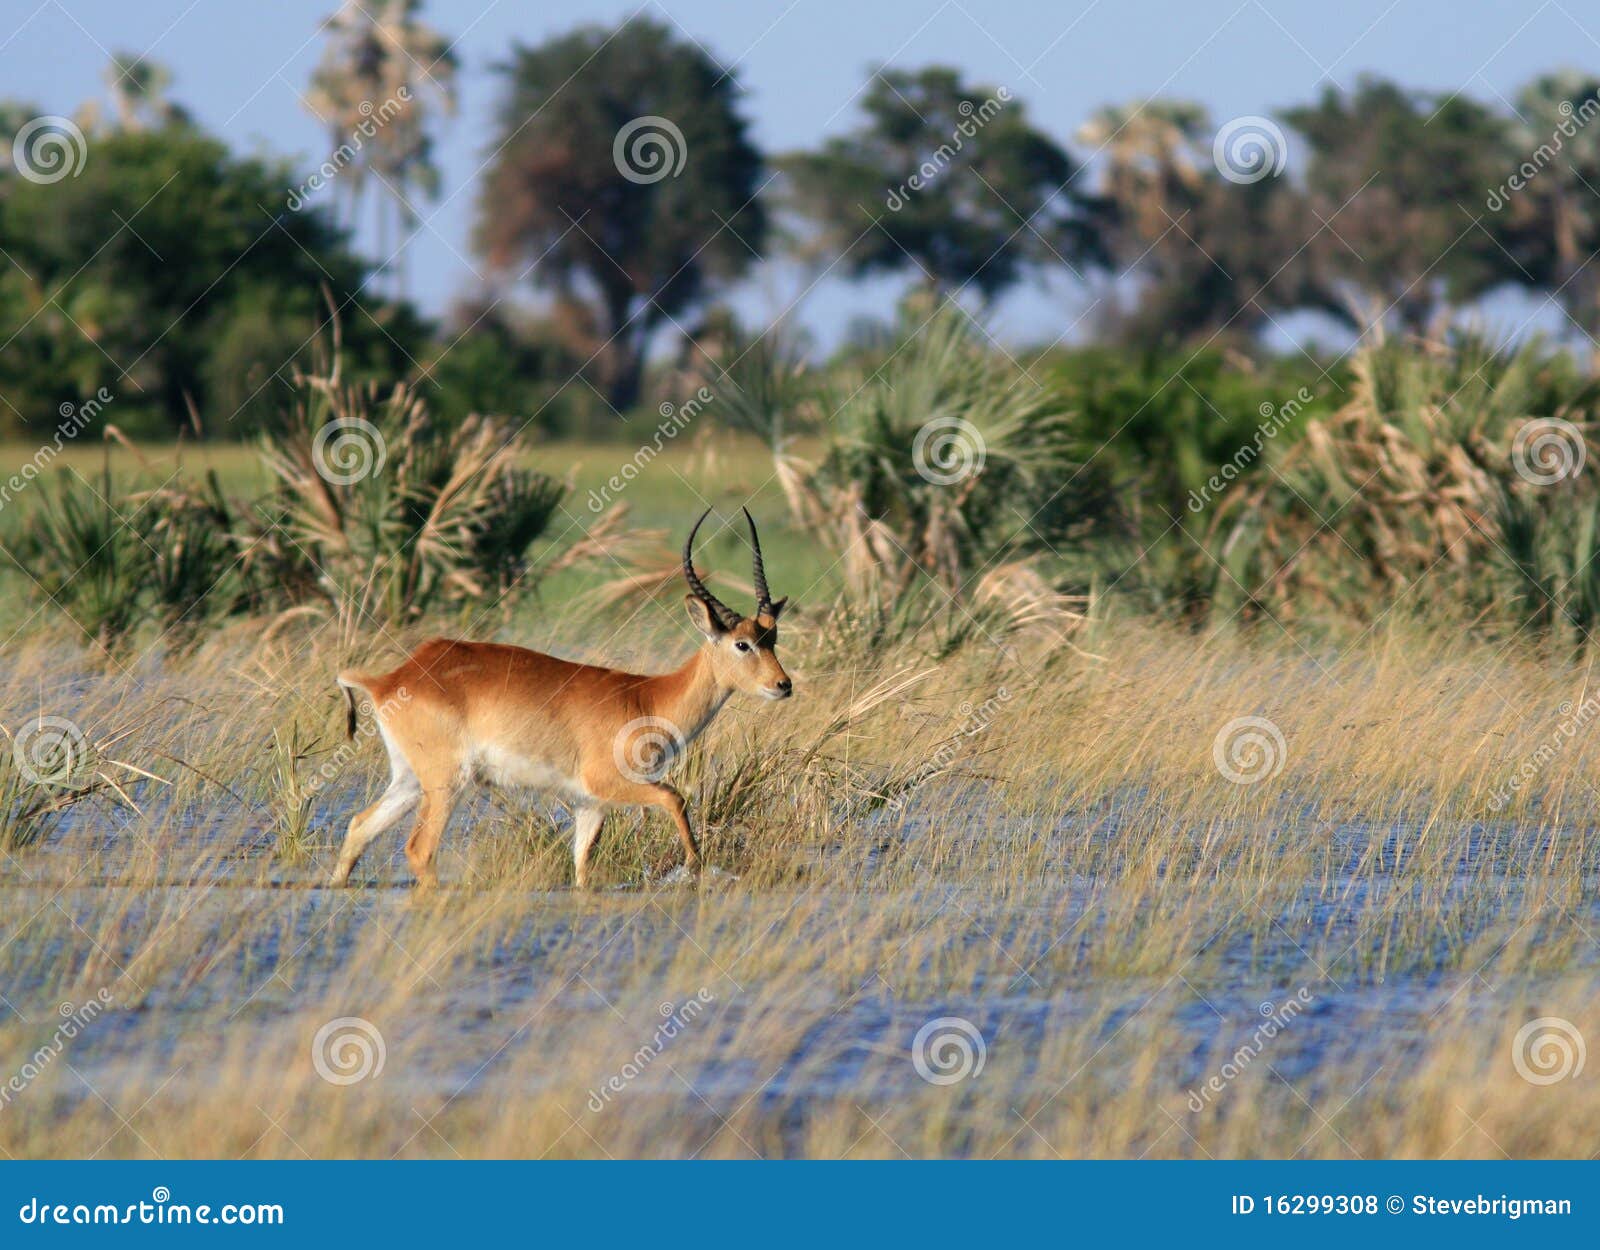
(506, 768)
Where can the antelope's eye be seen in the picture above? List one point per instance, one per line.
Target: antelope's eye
(741, 646)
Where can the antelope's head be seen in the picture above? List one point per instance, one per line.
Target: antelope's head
(742, 648)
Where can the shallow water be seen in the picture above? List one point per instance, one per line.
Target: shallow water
(567, 969)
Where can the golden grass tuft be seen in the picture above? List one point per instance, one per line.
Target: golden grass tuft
(1043, 847)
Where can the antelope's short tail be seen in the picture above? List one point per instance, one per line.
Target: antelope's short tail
(350, 682)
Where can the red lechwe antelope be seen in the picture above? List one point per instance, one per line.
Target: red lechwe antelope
(598, 737)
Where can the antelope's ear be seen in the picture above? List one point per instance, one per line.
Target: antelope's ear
(776, 609)
(703, 618)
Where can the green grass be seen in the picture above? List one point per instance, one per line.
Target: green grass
(696, 470)
(1102, 855)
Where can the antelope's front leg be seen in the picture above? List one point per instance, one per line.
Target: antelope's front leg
(622, 792)
(670, 801)
(585, 828)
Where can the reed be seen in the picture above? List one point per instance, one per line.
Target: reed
(1045, 849)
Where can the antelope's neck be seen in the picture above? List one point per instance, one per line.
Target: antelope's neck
(688, 697)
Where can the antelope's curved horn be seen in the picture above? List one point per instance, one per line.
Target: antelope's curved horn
(725, 615)
(758, 572)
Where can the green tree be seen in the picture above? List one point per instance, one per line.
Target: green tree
(945, 179)
(1399, 176)
(493, 360)
(169, 272)
(1207, 255)
(624, 182)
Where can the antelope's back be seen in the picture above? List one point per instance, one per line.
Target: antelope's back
(512, 703)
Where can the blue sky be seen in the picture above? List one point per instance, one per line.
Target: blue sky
(802, 63)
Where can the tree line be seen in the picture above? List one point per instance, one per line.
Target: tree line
(625, 189)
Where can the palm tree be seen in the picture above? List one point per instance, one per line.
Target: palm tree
(1153, 152)
(382, 74)
(139, 89)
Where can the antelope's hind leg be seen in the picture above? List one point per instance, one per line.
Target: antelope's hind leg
(392, 806)
(441, 788)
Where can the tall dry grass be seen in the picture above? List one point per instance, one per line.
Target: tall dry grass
(1038, 841)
